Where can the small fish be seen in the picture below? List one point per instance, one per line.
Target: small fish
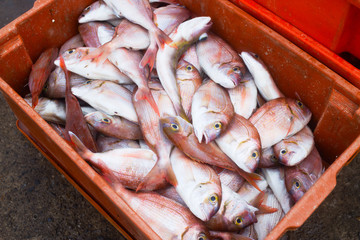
(74, 42)
(266, 222)
(181, 134)
(191, 57)
(198, 185)
(268, 158)
(291, 151)
(40, 72)
(108, 97)
(98, 11)
(128, 165)
(89, 69)
(244, 96)
(211, 111)
(219, 61)
(301, 177)
(263, 80)
(231, 179)
(241, 142)
(276, 180)
(234, 213)
(56, 84)
(95, 34)
(51, 110)
(167, 58)
(105, 143)
(114, 126)
(279, 119)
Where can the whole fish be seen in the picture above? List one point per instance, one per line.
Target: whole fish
(114, 126)
(40, 72)
(276, 180)
(191, 57)
(228, 236)
(241, 142)
(75, 121)
(219, 61)
(140, 12)
(181, 134)
(244, 96)
(291, 151)
(211, 111)
(89, 69)
(127, 61)
(266, 222)
(262, 77)
(95, 34)
(170, 192)
(198, 185)
(56, 84)
(108, 97)
(234, 213)
(97, 11)
(268, 158)
(128, 165)
(167, 58)
(74, 42)
(279, 119)
(105, 143)
(51, 110)
(231, 179)
(301, 177)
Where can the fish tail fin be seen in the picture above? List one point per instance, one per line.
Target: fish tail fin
(250, 178)
(99, 55)
(34, 100)
(258, 202)
(160, 37)
(149, 56)
(145, 93)
(83, 151)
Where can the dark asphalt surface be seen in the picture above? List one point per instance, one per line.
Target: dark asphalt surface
(36, 201)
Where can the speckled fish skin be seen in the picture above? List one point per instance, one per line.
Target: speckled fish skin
(266, 222)
(167, 57)
(301, 177)
(191, 57)
(188, 80)
(51, 110)
(114, 126)
(234, 213)
(95, 34)
(106, 96)
(244, 96)
(169, 219)
(219, 61)
(279, 119)
(211, 111)
(241, 142)
(56, 84)
(268, 158)
(291, 151)
(262, 77)
(40, 72)
(74, 42)
(231, 179)
(276, 180)
(105, 143)
(198, 185)
(228, 236)
(98, 11)
(89, 69)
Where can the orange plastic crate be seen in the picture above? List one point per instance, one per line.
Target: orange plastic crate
(333, 101)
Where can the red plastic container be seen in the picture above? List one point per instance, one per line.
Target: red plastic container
(333, 101)
(328, 30)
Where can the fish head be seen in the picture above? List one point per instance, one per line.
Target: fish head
(192, 29)
(250, 150)
(81, 89)
(297, 184)
(206, 197)
(289, 153)
(98, 119)
(242, 216)
(175, 127)
(233, 71)
(91, 12)
(299, 110)
(209, 127)
(196, 232)
(252, 61)
(186, 71)
(268, 158)
(72, 56)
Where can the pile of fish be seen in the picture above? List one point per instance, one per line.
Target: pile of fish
(194, 136)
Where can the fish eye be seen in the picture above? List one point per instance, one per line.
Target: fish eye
(297, 184)
(174, 127)
(88, 8)
(283, 151)
(202, 236)
(189, 68)
(236, 69)
(217, 125)
(106, 120)
(238, 220)
(300, 104)
(255, 154)
(213, 198)
(255, 55)
(70, 51)
(273, 159)
(88, 81)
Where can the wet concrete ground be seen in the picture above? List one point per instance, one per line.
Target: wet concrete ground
(37, 202)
